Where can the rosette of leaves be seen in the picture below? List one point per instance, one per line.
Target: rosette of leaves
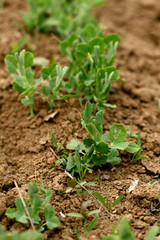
(19, 65)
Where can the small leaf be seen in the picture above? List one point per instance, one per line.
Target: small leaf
(70, 163)
(76, 145)
(51, 220)
(159, 197)
(117, 133)
(132, 147)
(54, 140)
(78, 215)
(89, 142)
(105, 137)
(93, 212)
(11, 63)
(113, 157)
(100, 198)
(92, 224)
(78, 162)
(117, 201)
(102, 147)
(120, 146)
(28, 59)
(87, 112)
(94, 132)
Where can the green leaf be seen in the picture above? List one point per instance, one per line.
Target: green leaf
(68, 42)
(87, 112)
(96, 42)
(76, 145)
(132, 147)
(94, 132)
(29, 234)
(152, 234)
(54, 140)
(105, 137)
(113, 157)
(78, 162)
(159, 196)
(124, 231)
(120, 146)
(117, 201)
(89, 31)
(51, 220)
(93, 212)
(100, 198)
(28, 59)
(112, 38)
(102, 147)
(89, 142)
(70, 162)
(99, 160)
(10, 212)
(92, 224)
(78, 215)
(117, 133)
(11, 63)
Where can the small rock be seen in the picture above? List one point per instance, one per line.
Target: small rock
(105, 177)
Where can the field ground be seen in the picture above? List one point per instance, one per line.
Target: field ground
(25, 141)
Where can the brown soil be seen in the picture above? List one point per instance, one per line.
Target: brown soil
(25, 142)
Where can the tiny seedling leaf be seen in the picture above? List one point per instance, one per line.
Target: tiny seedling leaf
(87, 112)
(117, 201)
(54, 140)
(100, 198)
(78, 215)
(132, 147)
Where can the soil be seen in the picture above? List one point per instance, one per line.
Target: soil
(25, 142)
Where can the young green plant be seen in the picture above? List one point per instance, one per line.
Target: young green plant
(19, 65)
(37, 207)
(86, 215)
(107, 203)
(100, 148)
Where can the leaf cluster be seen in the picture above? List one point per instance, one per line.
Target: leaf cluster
(91, 56)
(19, 65)
(100, 148)
(40, 211)
(63, 16)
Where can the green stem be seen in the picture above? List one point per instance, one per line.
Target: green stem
(31, 110)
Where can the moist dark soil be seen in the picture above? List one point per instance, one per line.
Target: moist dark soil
(25, 142)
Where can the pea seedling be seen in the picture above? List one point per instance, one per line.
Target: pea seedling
(37, 207)
(19, 65)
